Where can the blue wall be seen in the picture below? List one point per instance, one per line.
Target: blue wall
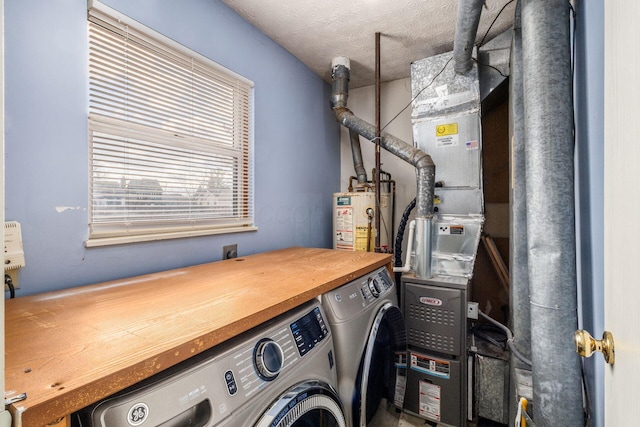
(589, 106)
(297, 149)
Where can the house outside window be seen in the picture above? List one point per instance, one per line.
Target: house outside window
(170, 137)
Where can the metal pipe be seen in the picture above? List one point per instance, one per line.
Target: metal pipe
(422, 241)
(520, 311)
(521, 316)
(466, 29)
(393, 213)
(425, 168)
(399, 148)
(551, 234)
(358, 163)
(377, 151)
(370, 215)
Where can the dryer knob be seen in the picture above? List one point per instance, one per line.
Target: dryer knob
(374, 287)
(268, 358)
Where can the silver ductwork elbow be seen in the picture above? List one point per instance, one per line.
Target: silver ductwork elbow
(425, 168)
(466, 29)
(339, 95)
(340, 73)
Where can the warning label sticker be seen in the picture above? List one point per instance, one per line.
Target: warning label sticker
(401, 387)
(451, 230)
(364, 236)
(344, 227)
(447, 135)
(431, 366)
(430, 400)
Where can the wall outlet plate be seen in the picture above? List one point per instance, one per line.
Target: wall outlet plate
(472, 310)
(230, 251)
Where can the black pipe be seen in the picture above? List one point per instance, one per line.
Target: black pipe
(397, 251)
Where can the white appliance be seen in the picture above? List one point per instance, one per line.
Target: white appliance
(370, 342)
(353, 221)
(280, 373)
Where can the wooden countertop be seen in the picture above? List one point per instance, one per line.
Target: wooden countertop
(68, 349)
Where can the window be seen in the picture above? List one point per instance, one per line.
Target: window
(170, 135)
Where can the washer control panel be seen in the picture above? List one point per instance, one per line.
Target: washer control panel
(308, 331)
(253, 366)
(216, 383)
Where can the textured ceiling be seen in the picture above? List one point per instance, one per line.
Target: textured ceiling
(316, 31)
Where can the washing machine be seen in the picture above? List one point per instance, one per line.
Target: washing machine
(279, 374)
(370, 343)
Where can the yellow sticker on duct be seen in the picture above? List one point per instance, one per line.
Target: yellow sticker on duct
(448, 129)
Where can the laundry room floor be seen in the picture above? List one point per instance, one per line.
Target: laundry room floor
(391, 417)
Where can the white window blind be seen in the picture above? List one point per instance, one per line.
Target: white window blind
(171, 138)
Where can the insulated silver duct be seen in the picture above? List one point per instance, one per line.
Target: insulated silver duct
(519, 292)
(551, 234)
(466, 29)
(520, 312)
(425, 168)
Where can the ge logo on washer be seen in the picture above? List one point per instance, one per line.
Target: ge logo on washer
(138, 414)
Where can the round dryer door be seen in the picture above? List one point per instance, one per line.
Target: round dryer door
(309, 404)
(385, 352)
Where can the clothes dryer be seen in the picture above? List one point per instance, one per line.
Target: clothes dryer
(279, 374)
(370, 341)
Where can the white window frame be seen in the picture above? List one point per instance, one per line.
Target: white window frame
(162, 173)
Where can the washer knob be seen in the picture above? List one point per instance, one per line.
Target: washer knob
(374, 287)
(268, 359)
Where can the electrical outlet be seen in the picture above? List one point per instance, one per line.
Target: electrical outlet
(230, 251)
(472, 310)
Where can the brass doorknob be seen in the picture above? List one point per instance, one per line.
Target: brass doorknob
(586, 345)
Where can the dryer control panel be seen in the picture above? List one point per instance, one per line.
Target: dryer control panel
(354, 297)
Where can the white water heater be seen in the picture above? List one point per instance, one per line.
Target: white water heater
(354, 221)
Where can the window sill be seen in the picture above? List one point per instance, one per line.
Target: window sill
(119, 240)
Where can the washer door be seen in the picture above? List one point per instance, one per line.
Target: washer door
(378, 372)
(309, 404)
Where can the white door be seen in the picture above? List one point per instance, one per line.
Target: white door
(622, 209)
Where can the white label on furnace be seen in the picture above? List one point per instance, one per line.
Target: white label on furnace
(451, 230)
(430, 400)
(447, 141)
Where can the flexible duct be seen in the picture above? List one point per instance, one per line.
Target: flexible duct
(466, 29)
(548, 107)
(425, 168)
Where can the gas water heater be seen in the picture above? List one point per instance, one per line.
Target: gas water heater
(354, 224)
